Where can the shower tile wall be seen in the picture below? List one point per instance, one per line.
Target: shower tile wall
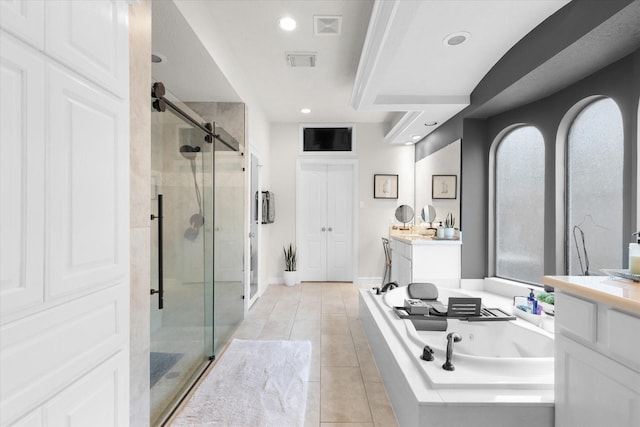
(229, 115)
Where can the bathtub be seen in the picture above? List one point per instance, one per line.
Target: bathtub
(504, 370)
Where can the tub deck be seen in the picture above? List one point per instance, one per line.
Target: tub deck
(480, 392)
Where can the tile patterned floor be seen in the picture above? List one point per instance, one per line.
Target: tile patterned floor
(345, 388)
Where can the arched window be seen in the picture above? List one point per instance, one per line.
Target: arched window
(519, 205)
(595, 155)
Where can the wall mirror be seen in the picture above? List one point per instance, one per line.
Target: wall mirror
(444, 162)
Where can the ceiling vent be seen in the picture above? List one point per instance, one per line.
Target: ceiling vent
(324, 25)
(301, 59)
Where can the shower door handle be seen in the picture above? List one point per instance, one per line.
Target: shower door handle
(160, 290)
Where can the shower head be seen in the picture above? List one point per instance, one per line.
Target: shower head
(189, 152)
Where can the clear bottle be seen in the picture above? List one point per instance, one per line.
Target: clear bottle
(634, 255)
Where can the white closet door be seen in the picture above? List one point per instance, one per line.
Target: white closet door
(313, 250)
(326, 222)
(88, 37)
(64, 218)
(339, 222)
(25, 19)
(22, 157)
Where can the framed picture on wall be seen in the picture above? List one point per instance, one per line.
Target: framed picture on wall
(444, 187)
(385, 186)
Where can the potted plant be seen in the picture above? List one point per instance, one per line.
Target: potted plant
(449, 223)
(290, 273)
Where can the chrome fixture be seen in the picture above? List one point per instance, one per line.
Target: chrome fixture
(427, 353)
(451, 338)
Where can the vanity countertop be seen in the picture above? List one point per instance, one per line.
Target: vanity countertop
(422, 236)
(619, 293)
(418, 239)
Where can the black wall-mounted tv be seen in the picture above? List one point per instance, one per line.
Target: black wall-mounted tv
(327, 139)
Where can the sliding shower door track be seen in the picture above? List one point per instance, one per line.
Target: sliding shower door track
(186, 395)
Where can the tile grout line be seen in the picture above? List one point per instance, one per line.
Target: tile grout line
(373, 422)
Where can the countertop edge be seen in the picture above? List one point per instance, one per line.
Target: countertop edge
(425, 240)
(587, 290)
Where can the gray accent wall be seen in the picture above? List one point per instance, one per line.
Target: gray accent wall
(619, 81)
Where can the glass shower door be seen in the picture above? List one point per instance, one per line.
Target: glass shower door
(181, 205)
(228, 243)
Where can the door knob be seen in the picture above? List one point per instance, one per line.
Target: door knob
(323, 229)
(329, 229)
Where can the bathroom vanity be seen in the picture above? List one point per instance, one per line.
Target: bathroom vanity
(597, 365)
(416, 258)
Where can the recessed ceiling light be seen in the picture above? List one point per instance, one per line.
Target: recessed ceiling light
(415, 137)
(456, 39)
(431, 123)
(287, 23)
(305, 110)
(408, 143)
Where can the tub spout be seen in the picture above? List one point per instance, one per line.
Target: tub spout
(388, 287)
(451, 338)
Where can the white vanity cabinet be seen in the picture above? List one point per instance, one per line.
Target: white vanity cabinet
(597, 366)
(416, 259)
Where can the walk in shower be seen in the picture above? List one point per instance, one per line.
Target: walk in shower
(197, 188)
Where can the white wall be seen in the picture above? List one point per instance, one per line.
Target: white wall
(374, 216)
(258, 126)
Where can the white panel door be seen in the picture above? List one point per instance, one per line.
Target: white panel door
(339, 222)
(326, 222)
(88, 38)
(22, 154)
(313, 250)
(25, 19)
(64, 219)
(88, 228)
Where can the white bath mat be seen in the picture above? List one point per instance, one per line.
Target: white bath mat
(255, 383)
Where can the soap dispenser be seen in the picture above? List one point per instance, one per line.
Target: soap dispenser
(532, 302)
(634, 254)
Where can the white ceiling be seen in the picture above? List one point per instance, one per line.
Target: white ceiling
(404, 66)
(187, 70)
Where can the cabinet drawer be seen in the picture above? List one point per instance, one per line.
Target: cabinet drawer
(576, 317)
(623, 337)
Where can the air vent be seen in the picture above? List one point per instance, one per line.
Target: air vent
(301, 59)
(327, 25)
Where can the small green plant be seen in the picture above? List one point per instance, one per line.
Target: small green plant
(450, 221)
(290, 258)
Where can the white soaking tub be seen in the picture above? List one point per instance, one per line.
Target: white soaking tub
(503, 369)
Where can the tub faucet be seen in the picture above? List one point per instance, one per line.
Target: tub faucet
(451, 338)
(389, 286)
